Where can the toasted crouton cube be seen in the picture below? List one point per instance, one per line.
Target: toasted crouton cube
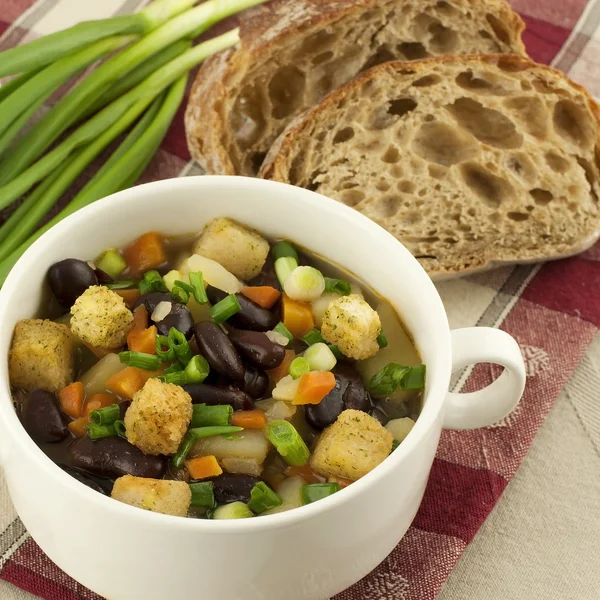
(353, 325)
(155, 495)
(41, 356)
(240, 250)
(158, 417)
(101, 318)
(354, 445)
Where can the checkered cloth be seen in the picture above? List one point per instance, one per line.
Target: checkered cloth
(552, 310)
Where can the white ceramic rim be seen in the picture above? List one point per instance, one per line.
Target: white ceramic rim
(436, 383)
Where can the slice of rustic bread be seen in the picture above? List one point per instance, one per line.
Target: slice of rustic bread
(293, 52)
(468, 161)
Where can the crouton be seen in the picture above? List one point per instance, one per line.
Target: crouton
(101, 318)
(155, 495)
(240, 250)
(353, 325)
(352, 447)
(158, 417)
(41, 356)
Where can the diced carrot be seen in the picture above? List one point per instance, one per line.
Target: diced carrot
(297, 316)
(140, 318)
(263, 295)
(127, 382)
(203, 467)
(143, 341)
(71, 399)
(98, 401)
(97, 352)
(306, 473)
(77, 427)
(147, 252)
(340, 481)
(284, 368)
(249, 419)
(314, 387)
(130, 296)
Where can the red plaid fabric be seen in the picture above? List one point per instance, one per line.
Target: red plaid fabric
(552, 310)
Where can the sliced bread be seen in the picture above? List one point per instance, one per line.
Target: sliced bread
(468, 161)
(294, 52)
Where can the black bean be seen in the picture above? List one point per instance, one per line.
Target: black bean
(100, 484)
(151, 300)
(329, 409)
(346, 370)
(43, 420)
(379, 414)
(175, 474)
(180, 318)
(123, 406)
(257, 348)
(212, 395)
(232, 487)
(357, 397)
(215, 345)
(267, 276)
(114, 457)
(69, 279)
(251, 316)
(256, 383)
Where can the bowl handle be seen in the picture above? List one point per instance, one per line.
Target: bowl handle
(491, 404)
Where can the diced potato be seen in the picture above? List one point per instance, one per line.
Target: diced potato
(352, 447)
(155, 495)
(41, 356)
(290, 491)
(281, 410)
(247, 466)
(158, 417)
(172, 276)
(94, 380)
(200, 312)
(101, 318)
(240, 250)
(244, 444)
(286, 389)
(320, 305)
(400, 428)
(353, 325)
(213, 273)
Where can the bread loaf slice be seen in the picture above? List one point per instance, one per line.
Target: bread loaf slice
(293, 52)
(468, 161)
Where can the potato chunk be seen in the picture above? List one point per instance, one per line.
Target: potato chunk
(101, 318)
(158, 417)
(41, 356)
(354, 445)
(155, 495)
(240, 250)
(353, 325)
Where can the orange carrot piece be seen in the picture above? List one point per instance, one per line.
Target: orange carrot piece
(297, 316)
(203, 467)
(71, 399)
(140, 318)
(314, 387)
(130, 296)
(98, 401)
(127, 382)
(147, 252)
(284, 368)
(143, 341)
(97, 352)
(263, 295)
(77, 427)
(340, 481)
(249, 419)
(306, 473)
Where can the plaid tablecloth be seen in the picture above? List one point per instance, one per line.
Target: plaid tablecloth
(542, 540)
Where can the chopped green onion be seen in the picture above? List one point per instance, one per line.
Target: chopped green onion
(148, 362)
(97, 432)
(235, 510)
(123, 284)
(288, 442)
(119, 426)
(262, 498)
(336, 351)
(395, 444)
(105, 416)
(175, 378)
(305, 284)
(197, 369)
(313, 337)
(382, 340)
(284, 250)
(283, 330)
(197, 282)
(202, 494)
(284, 267)
(207, 416)
(312, 492)
(320, 357)
(337, 286)
(152, 282)
(195, 434)
(180, 345)
(299, 367)
(181, 291)
(387, 380)
(225, 309)
(111, 263)
(176, 367)
(162, 342)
